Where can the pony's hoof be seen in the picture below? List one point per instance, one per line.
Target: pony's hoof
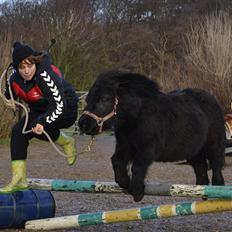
(218, 181)
(136, 193)
(136, 189)
(138, 197)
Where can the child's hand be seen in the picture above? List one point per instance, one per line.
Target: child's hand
(38, 129)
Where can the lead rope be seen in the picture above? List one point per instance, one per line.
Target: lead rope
(12, 104)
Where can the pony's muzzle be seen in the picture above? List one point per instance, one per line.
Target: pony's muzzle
(87, 125)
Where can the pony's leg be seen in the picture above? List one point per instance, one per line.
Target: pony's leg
(139, 170)
(200, 167)
(216, 159)
(217, 177)
(119, 162)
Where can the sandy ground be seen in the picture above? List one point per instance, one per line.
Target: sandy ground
(44, 162)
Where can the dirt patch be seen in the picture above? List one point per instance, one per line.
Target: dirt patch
(44, 162)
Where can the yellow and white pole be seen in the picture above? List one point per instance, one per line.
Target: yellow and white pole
(124, 215)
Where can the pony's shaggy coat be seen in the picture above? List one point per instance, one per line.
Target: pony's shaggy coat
(152, 126)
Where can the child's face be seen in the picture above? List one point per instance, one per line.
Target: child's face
(27, 70)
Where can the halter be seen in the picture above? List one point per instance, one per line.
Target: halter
(101, 120)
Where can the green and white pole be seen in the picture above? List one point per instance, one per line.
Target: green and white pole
(124, 215)
(155, 189)
(89, 186)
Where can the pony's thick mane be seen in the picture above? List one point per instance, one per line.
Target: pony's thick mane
(131, 81)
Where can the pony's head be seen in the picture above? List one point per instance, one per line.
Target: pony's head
(115, 92)
(101, 105)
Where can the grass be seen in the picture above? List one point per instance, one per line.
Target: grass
(5, 142)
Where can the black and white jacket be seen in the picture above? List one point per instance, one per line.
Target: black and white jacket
(47, 94)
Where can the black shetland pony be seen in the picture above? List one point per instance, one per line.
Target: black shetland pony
(152, 126)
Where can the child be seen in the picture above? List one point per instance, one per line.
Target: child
(52, 103)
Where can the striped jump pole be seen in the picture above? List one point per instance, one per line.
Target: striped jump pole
(155, 189)
(124, 215)
(92, 186)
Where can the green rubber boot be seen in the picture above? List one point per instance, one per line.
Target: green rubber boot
(69, 146)
(19, 180)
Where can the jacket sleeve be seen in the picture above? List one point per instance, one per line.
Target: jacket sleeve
(52, 88)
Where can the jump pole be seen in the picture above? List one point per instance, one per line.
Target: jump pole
(124, 215)
(155, 189)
